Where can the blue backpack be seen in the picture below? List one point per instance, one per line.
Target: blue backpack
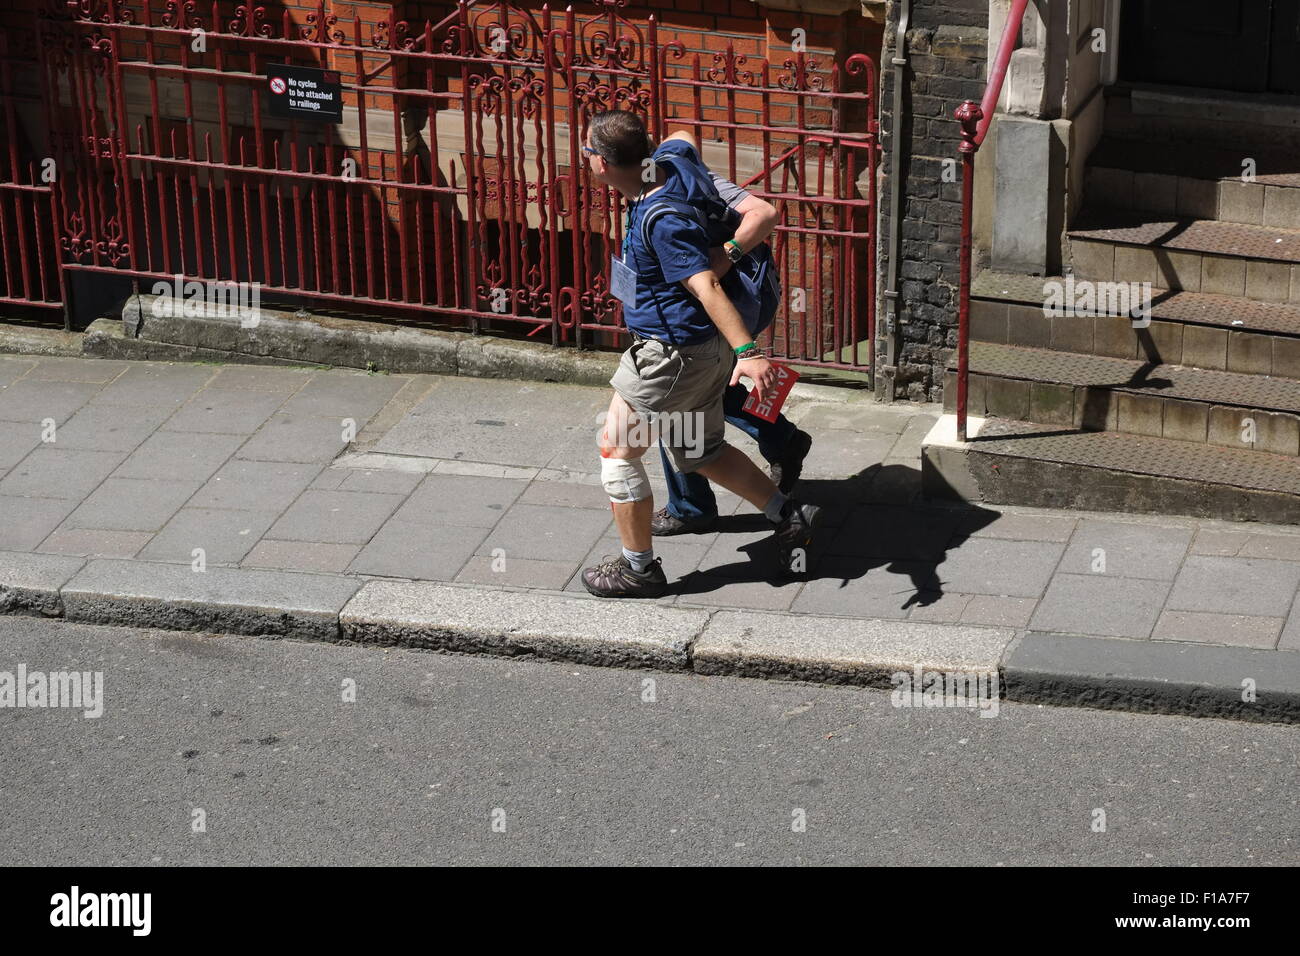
(752, 283)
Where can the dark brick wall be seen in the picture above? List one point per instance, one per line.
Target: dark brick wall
(947, 44)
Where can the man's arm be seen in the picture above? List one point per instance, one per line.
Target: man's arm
(757, 217)
(757, 220)
(707, 287)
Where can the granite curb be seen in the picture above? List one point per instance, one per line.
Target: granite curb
(1032, 667)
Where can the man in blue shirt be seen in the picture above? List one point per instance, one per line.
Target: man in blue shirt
(689, 344)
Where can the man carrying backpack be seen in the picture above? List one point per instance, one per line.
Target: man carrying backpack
(690, 342)
(692, 507)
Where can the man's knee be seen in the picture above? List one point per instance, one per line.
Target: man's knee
(625, 479)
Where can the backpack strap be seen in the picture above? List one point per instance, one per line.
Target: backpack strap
(669, 207)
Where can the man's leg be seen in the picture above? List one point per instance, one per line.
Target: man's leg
(690, 497)
(634, 573)
(780, 442)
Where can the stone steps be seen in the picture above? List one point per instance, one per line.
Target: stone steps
(1028, 463)
(1224, 333)
(1197, 413)
(1226, 185)
(1191, 255)
(1098, 393)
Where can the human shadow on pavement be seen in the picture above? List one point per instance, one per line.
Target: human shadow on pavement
(872, 520)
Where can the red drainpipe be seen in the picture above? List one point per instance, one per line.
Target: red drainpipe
(975, 119)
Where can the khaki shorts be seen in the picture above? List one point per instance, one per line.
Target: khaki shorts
(680, 386)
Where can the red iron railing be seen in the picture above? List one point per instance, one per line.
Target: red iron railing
(455, 191)
(975, 119)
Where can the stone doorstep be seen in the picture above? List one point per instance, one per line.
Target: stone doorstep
(1227, 199)
(1187, 328)
(1131, 412)
(1201, 679)
(1213, 407)
(1018, 463)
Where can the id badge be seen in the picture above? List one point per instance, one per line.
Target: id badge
(622, 282)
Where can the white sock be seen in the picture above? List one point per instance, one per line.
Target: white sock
(640, 560)
(775, 507)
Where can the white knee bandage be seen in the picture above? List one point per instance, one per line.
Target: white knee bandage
(624, 480)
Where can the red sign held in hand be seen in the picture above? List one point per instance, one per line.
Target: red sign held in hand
(785, 379)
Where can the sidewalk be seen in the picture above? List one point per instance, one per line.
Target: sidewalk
(457, 512)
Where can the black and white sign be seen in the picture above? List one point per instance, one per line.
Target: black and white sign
(305, 92)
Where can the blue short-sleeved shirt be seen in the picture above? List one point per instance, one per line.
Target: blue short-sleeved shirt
(680, 249)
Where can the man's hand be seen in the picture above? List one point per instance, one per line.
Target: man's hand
(719, 262)
(759, 371)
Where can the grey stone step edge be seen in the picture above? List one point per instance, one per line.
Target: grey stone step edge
(1145, 676)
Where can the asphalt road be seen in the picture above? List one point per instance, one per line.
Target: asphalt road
(445, 759)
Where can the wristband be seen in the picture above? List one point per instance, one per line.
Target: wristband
(755, 353)
(742, 349)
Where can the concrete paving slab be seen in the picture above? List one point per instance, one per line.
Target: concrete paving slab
(1014, 526)
(838, 650)
(1126, 549)
(297, 439)
(1154, 677)
(255, 485)
(947, 608)
(373, 481)
(225, 536)
(262, 378)
(109, 427)
(13, 368)
(59, 369)
(1282, 547)
(340, 393)
(621, 633)
(1233, 629)
(226, 411)
(17, 439)
(155, 384)
(33, 402)
(426, 552)
(516, 573)
(903, 534)
(992, 611)
(334, 517)
(53, 472)
(30, 583)
(461, 501)
(1216, 541)
(180, 456)
(518, 424)
(1255, 587)
(1006, 568)
(131, 504)
(301, 556)
(869, 588)
(706, 590)
(224, 600)
(547, 534)
(93, 543)
(1100, 604)
(26, 522)
(567, 494)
